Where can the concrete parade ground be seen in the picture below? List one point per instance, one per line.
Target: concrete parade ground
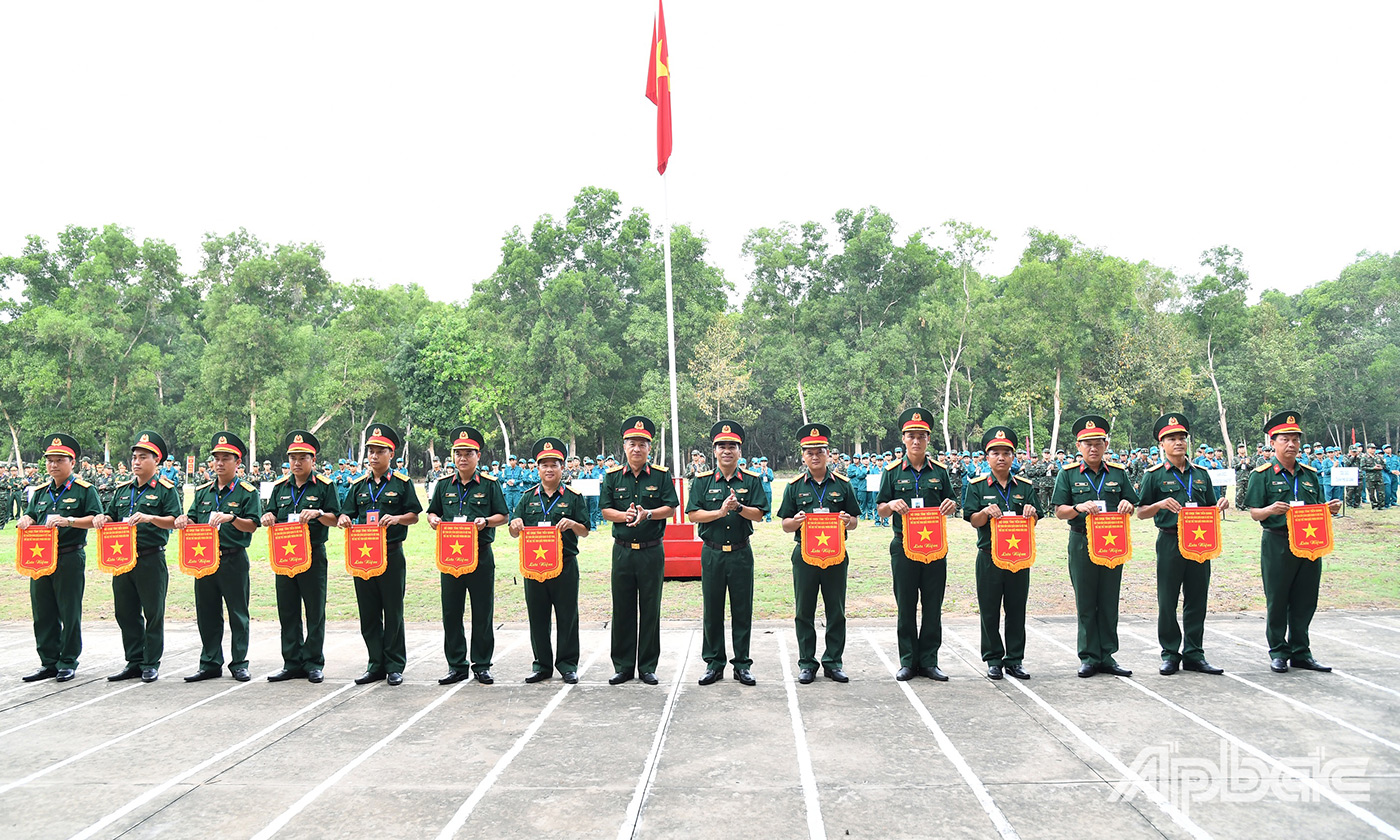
(1247, 754)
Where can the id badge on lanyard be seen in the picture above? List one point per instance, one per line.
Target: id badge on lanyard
(916, 503)
(371, 517)
(1101, 505)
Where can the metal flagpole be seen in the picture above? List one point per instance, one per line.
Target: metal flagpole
(671, 344)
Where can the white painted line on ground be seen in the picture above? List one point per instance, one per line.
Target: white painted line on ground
(1054, 641)
(1147, 788)
(1389, 627)
(459, 819)
(816, 829)
(102, 665)
(98, 699)
(639, 796)
(1367, 648)
(1312, 784)
(979, 790)
(1335, 671)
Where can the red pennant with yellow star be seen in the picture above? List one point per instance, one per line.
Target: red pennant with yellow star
(199, 550)
(1198, 533)
(289, 548)
(366, 551)
(823, 539)
(1013, 542)
(541, 552)
(456, 548)
(925, 534)
(1310, 531)
(36, 551)
(1110, 539)
(116, 548)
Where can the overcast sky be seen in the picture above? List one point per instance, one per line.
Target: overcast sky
(408, 138)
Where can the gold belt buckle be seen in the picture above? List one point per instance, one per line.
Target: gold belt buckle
(726, 548)
(636, 546)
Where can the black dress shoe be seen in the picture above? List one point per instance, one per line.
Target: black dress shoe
(836, 674)
(1306, 664)
(744, 677)
(934, 673)
(1200, 666)
(1169, 667)
(1016, 671)
(41, 674)
(993, 672)
(201, 676)
(484, 677)
(904, 674)
(286, 674)
(369, 677)
(539, 676)
(66, 674)
(620, 677)
(649, 678)
(712, 675)
(150, 675)
(1087, 670)
(806, 676)
(130, 672)
(394, 678)
(315, 675)
(241, 674)
(454, 676)
(571, 677)
(1278, 666)
(1116, 670)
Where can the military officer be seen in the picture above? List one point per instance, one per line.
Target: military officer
(1167, 487)
(1354, 458)
(1290, 582)
(8, 490)
(236, 509)
(138, 596)
(551, 502)
(916, 480)
(470, 495)
(1373, 473)
(1094, 485)
(638, 498)
(67, 502)
(303, 496)
(818, 490)
(724, 503)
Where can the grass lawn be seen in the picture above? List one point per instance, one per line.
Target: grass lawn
(1363, 572)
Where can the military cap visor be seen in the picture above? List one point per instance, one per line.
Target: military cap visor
(814, 436)
(151, 442)
(300, 441)
(1173, 424)
(548, 447)
(382, 435)
(999, 436)
(466, 437)
(227, 443)
(639, 427)
(61, 443)
(727, 431)
(1283, 423)
(1090, 427)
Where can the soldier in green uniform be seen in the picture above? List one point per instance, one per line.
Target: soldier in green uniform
(987, 497)
(8, 490)
(233, 506)
(724, 503)
(1241, 465)
(638, 498)
(469, 495)
(138, 596)
(818, 490)
(1373, 473)
(1354, 493)
(1167, 487)
(1093, 486)
(67, 502)
(549, 502)
(915, 480)
(386, 498)
(303, 496)
(1290, 582)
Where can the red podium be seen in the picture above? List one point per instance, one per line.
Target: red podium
(681, 546)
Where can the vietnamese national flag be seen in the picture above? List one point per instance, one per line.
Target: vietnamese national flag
(659, 88)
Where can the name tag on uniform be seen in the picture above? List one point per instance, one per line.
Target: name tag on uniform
(293, 516)
(544, 523)
(1101, 505)
(822, 510)
(1192, 504)
(459, 519)
(1297, 503)
(916, 503)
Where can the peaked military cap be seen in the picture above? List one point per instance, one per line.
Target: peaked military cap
(1283, 423)
(727, 431)
(999, 436)
(1090, 427)
(152, 442)
(548, 447)
(638, 426)
(1173, 424)
(814, 435)
(382, 434)
(466, 437)
(300, 441)
(62, 443)
(229, 443)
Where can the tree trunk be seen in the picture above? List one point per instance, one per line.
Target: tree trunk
(801, 398)
(1219, 403)
(505, 435)
(252, 428)
(1030, 428)
(14, 438)
(363, 429)
(1055, 425)
(326, 418)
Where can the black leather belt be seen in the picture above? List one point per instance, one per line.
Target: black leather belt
(637, 545)
(1282, 532)
(730, 547)
(1171, 530)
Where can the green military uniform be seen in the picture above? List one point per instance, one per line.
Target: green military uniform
(303, 654)
(228, 586)
(1290, 582)
(638, 558)
(1096, 587)
(1373, 474)
(8, 491)
(833, 494)
(1177, 577)
(559, 593)
(56, 599)
(1354, 493)
(479, 497)
(917, 583)
(1000, 589)
(726, 558)
(380, 598)
(138, 596)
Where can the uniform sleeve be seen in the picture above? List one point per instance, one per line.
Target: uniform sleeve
(692, 504)
(969, 504)
(762, 495)
(1203, 492)
(497, 501)
(520, 507)
(1061, 495)
(851, 506)
(194, 503)
(169, 503)
(788, 508)
(668, 495)
(435, 502)
(1151, 492)
(1129, 493)
(411, 501)
(886, 493)
(1035, 503)
(92, 505)
(1256, 490)
(351, 505)
(254, 509)
(581, 504)
(947, 485)
(111, 509)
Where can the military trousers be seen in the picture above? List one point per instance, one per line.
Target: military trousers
(1000, 589)
(1096, 590)
(1187, 581)
(559, 596)
(917, 585)
(305, 591)
(1390, 483)
(226, 587)
(637, 578)
(808, 582)
(1290, 596)
(138, 604)
(1375, 491)
(56, 602)
(7, 507)
(480, 586)
(726, 573)
(380, 600)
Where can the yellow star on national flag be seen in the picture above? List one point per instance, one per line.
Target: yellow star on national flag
(1199, 533)
(1013, 542)
(364, 551)
(925, 534)
(289, 548)
(1110, 539)
(116, 547)
(199, 549)
(1309, 530)
(540, 553)
(456, 548)
(37, 550)
(823, 539)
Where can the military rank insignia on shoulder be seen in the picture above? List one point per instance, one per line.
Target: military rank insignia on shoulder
(939, 463)
(127, 484)
(203, 486)
(167, 484)
(1023, 479)
(1307, 466)
(661, 467)
(323, 479)
(361, 478)
(282, 479)
(1115, 464)
(612, 470)
(402, 476)
(982, 477)
(842, 476)
(1262, 467)
(247, 486)
(748, 471)
(82, 483)
(896, 465)
(705, 474)
(1156, 466)
(487, 476)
